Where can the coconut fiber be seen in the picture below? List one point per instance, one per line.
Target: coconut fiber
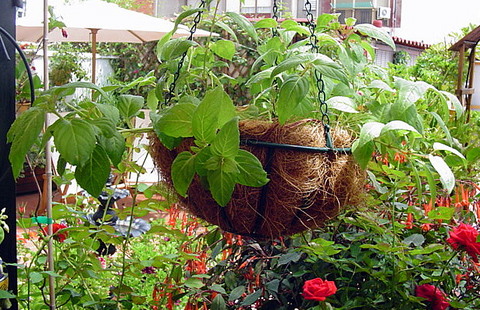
(305, 189)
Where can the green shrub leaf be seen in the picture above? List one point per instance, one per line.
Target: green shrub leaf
(177, 121)
(251, 170)
(222, 184)
(344, 104)
(224, 49)
(376, 33)
(227, 141)
(23, 134)
(183, 170)
(292, 92)
(74, 139)
(93, 174)
(244, 24)
(129, 105)
(446, 175)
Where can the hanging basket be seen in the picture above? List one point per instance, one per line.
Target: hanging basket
(306, 188)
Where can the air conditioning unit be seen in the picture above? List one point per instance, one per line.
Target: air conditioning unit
(384, 12)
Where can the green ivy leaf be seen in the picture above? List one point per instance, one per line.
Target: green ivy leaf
(227, 140)
(74, 139)
(129, 105)
(177, 121)
(292, 92)
(251, 170)
(244, 24)
(23, 133)
(446, 175)
(93, 174)
(222, 184)
(224, 49)
(376, 33)
(183, 171)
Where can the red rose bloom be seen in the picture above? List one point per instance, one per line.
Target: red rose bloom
(434, 295)
(318, 289)
(60, 237)
(464, 237)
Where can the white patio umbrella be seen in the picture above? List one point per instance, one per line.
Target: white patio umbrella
(98, 21)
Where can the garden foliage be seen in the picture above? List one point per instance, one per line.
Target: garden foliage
(412, 244)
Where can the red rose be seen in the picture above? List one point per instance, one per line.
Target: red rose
(318, 289)
(464, 237)
(60, 237)
(434, 295)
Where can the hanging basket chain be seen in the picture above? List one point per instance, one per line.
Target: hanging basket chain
(171, 89)
(275, 17)
(321, 96)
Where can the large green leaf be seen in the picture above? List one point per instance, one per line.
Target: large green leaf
(74, 139)
(212, 113)
(177, 121)
(175, 48)
(93, 173)
(115, 147)
(344, 104)
(129, 105)
(109, 111)
(330, 68)
(444, 127)
(183, 170)
(376, 33)
(293, 62)
(454, 103)
(224, 49)
(442, 147)
(23, 134)
(446, 175)
(362, 152)
(292, 92)
(221, 184)
(227, 141)
(251, 170)
(244, 24)
(398, 125)
(379, 84)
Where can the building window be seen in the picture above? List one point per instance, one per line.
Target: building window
(256, 8)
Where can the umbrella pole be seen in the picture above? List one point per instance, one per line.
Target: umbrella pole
(48, 166)
(94, 53)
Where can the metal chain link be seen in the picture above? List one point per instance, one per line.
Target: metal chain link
(275, 17)
(321, 96)
(171, 89)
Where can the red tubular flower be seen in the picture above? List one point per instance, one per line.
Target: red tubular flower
(464, 237)
(60, 237)
(434, 295)
(318, 289)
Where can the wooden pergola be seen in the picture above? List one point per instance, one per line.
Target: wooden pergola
(465, 89)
